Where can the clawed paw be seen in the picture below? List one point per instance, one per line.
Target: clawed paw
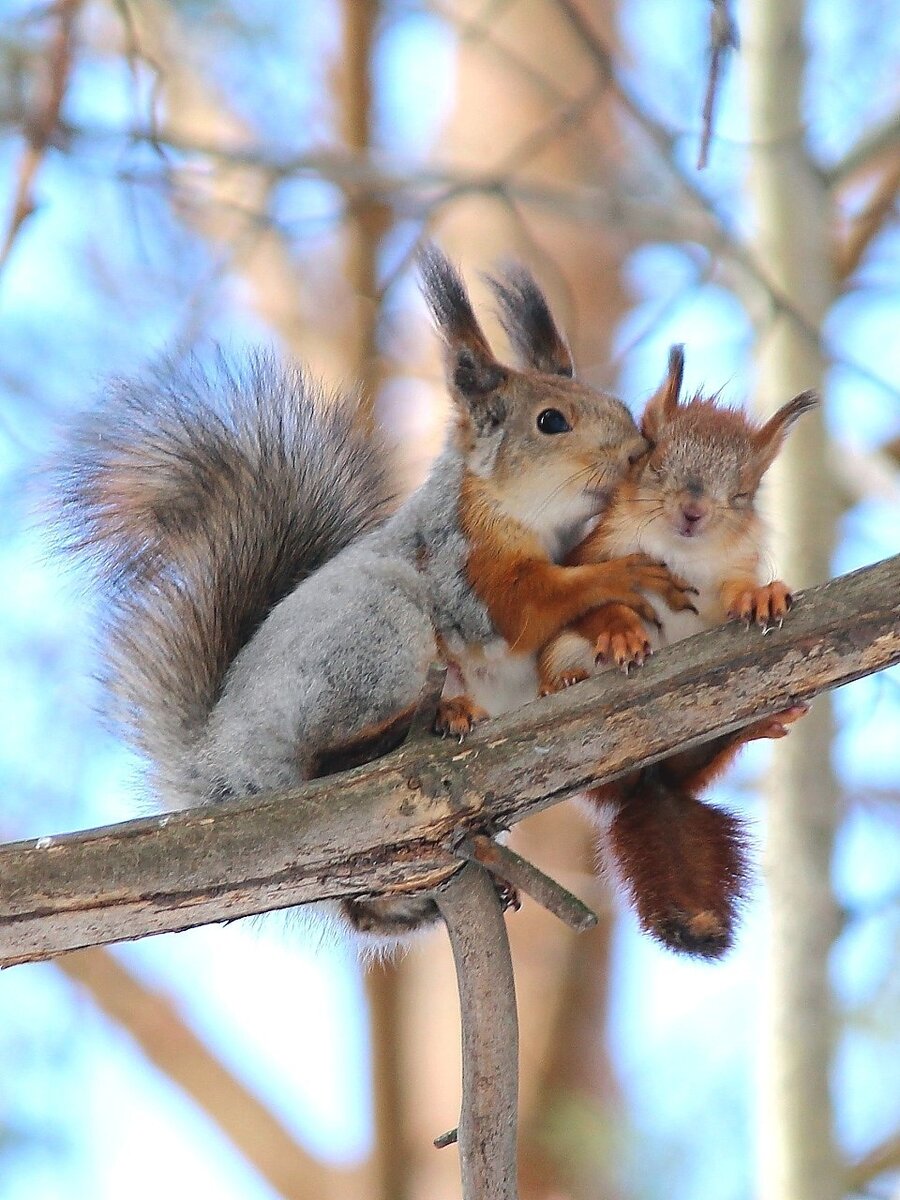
(550, 684)
(458, 717)
(623, 640)
(763, 606)
(778, 725)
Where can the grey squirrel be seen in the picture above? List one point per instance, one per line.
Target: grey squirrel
(271, 619)
(690, 502)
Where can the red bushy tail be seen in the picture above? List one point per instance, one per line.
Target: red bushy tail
(683, 864)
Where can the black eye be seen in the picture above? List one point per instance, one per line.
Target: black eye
(551, 420)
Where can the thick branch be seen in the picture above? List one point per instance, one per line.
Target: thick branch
(387, 826)
(488, 1120)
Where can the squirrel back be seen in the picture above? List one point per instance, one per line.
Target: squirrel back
(202, 495)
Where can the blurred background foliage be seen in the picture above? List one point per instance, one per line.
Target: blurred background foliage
(181, 173)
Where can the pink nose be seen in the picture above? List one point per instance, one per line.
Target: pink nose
(692, 513)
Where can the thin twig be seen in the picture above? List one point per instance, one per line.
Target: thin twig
(518, 871)
(488, 1120)
(871, 221)
(41, 127)
(723, 37)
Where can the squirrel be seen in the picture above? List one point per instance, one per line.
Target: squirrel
(691, 504)
(272, 613)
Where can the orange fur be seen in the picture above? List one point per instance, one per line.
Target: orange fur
(681, 861)
(529, 597)
(745, 600)
(458, 716)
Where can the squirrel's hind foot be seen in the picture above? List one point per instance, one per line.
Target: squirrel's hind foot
(458, 716)
(390, 916)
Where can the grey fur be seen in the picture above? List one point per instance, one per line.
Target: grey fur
(473, 369)
(528, 322)
(261, 604)
(205, 496)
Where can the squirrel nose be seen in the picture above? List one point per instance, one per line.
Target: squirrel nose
(692, 513)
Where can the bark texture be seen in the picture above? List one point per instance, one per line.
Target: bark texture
(386, 826)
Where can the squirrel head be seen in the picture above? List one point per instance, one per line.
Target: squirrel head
(551, 449)
(700, 479)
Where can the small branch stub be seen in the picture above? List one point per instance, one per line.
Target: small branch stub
(505, 864)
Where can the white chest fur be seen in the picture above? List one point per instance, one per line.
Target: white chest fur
(493, 677)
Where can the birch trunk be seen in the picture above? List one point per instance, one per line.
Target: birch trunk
(798, 1156)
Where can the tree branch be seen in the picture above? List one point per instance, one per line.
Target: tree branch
(388, 826)
(153, 1021)
(40, 127)
(488, 1121)
(873, 143)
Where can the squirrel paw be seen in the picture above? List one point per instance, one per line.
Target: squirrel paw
(776, 726)
(458, 716)
(558, 683)
(764, 606)
(622, 639)
(656, 577)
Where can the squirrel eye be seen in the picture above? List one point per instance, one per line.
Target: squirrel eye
(551, 420)
(741, 498)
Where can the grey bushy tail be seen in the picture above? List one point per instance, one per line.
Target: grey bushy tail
(203, 495)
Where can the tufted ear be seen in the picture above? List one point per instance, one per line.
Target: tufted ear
(769, 440)
(529, 323)
(662, 406)
(473, 373)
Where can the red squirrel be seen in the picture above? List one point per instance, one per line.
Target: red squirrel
(692, 504)
(271, 614)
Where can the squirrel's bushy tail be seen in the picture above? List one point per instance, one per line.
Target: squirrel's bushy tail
(203, 495)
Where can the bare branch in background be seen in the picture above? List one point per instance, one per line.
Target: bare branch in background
(153, 1021)
(723, 37)
(880, 1160)
(41, 126)
(488, 1121)
(388, 827)
(880, 139)
(879, 210)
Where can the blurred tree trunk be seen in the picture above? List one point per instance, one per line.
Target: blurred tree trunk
(798, 1157)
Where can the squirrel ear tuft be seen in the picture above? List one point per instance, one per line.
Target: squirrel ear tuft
(769, 440)
(663, 404)
(528, 322)
(472, 370)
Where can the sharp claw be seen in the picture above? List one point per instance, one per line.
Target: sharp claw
(747, 624)
(780, 622)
